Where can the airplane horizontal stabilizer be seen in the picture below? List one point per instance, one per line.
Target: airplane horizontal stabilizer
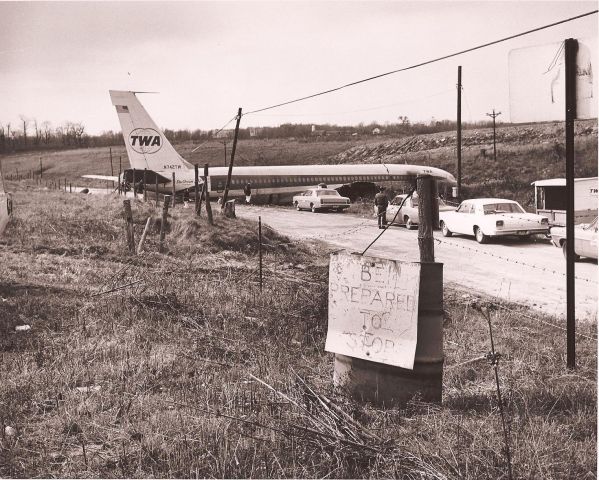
(102, 177)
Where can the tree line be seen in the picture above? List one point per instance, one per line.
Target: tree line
(30, 134)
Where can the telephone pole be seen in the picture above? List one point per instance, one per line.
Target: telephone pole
(459, 133)
(493, 115)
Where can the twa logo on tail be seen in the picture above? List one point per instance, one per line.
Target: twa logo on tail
(145, 140)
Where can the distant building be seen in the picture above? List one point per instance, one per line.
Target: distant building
(376, 131)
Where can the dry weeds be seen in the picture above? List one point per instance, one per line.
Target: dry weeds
(186, 369)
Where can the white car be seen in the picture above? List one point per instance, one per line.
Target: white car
(585, 239)
(320, 198)
(408, 214)
(491, 217)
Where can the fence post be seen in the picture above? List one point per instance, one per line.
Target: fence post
(208, 206)
(435, 204)
(144, 185)
(143, 235)
(167, 200)
(197, 189)
(260, 249)
(129, 226)
(425, 221)
(174, 190)
(156, 186)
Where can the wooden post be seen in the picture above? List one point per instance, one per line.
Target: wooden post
(143, 235)
(120, 172)
(229, 210)
(41, 170)
(165, 204)
(134, 179)
(174, 190)
(260, 249)
(570, 49)
(197, 189)
(156, 190)
(208, 206)
(226, 192)
(70, 189)
(144, 184)
(425, 221)
(129, 226)
(435, 204)
(459, 133)
(65, 184)
(202, 193)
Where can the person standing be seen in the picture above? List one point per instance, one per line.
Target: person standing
(381, 202)
(247, 191)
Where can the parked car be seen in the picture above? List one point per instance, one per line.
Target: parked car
(491, 217)
(585, 239)
(320, 198)
(408, 214)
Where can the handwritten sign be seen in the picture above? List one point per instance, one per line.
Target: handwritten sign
(373, 308)
(537, 82)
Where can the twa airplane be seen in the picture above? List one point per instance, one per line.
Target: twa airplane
(149, 149)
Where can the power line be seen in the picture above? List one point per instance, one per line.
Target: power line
(364, 80)
(379, 107)
(214, 134)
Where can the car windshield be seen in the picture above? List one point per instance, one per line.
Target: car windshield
(502, 208)
(322, 193)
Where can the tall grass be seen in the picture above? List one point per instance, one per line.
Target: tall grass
(194, 372)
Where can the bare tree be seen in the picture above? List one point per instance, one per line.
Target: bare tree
(25, 121)
(46, 131)
(38, 134)
(78, 132)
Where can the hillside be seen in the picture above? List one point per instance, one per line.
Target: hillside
(525, 153)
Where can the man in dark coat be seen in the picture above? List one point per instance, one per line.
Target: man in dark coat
(381, 202)
(247, 191)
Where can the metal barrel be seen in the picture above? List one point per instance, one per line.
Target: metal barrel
(392, 386)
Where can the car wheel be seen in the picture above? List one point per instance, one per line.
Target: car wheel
(444, 230)
(313, 208)
(297, 207)
(480, 236)
(565, 251)
(409, 224)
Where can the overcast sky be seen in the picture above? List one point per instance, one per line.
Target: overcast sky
(58, 60)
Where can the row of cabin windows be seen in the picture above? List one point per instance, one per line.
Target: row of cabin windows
(305, 180)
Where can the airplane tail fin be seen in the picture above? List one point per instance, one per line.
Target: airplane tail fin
(147, 146)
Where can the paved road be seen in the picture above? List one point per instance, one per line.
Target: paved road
(519, 271)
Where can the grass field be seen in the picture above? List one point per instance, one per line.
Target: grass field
(177, 365)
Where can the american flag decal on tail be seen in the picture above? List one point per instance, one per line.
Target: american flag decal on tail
(122, 109)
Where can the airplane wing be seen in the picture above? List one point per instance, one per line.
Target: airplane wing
(102, 177)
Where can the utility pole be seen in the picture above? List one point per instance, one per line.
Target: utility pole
(570, 51)
(459, 133)
(493, 115)
(226, 192)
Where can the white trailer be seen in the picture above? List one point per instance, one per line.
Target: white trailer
(551, 199)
